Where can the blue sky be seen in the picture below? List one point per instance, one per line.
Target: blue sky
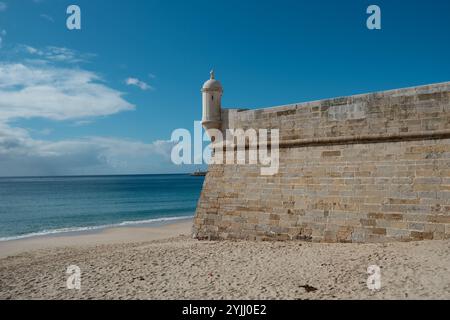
(265, 53)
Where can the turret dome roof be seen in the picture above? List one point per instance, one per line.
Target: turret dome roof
(212, 83)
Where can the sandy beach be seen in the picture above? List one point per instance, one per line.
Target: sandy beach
(166, 263)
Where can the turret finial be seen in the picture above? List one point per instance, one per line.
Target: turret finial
(212, 74)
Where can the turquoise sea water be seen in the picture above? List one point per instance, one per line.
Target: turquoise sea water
(50, 205)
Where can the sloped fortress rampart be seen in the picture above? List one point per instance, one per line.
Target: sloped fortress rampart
(365, 168)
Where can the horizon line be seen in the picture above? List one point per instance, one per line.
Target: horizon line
(97, 175)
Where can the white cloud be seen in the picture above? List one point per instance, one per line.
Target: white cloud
(57, 54)
(3, 6)
(55, 93)
(22, 155)
(30, 49)
(41, 132)
(81, 123)
(47, 17)
(138, 83)
(41, 88)
(2, 35)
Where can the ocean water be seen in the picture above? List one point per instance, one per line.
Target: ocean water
(52, 205)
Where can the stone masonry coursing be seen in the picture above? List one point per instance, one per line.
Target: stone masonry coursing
(365, 168)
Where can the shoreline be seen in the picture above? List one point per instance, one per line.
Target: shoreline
(108, 235)
(95, 229)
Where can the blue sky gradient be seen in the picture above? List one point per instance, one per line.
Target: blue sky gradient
(265, 53)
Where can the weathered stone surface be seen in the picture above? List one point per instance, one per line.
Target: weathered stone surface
(387, 179)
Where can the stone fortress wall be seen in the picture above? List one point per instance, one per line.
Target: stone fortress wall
(365, 168)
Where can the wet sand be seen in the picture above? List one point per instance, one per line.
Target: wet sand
(117, 235)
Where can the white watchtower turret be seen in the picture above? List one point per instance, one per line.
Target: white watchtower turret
(212, 96)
